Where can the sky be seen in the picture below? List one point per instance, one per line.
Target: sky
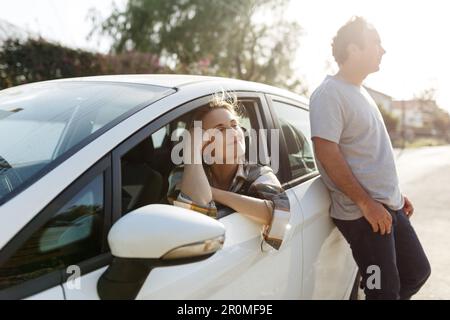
(413, 32)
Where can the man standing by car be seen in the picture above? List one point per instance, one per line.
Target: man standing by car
(356, 161)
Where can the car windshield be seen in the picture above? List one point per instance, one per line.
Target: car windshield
(42, 122)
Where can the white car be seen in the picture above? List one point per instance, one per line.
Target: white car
(84, 165)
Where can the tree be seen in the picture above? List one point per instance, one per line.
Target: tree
(248, 39)
(439, 118)
(131, 63)
(390, 120)
(38, 60)
(428, 94)
(441, 123)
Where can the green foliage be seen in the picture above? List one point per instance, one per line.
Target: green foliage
(441, 122)
(390, 120)
(38, 60)
(248, 39)
(440, 118)
(131, 63)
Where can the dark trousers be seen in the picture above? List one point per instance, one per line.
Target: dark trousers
(398, 257)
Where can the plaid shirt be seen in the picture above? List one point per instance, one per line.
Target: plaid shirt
(251, 180)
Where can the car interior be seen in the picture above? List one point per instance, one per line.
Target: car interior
(300, 154)
(146, 168)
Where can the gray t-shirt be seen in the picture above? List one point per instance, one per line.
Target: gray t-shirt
(346, 114)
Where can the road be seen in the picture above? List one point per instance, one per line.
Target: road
(424, 175)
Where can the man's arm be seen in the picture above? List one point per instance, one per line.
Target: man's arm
(332, 160)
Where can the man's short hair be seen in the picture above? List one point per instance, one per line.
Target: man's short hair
(354, 32)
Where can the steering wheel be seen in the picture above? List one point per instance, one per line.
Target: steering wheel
(10, 175)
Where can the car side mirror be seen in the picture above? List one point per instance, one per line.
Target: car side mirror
(156, 236)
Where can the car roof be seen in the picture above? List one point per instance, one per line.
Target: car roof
(182, 82)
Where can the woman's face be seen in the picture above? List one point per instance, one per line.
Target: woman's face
(226, 138)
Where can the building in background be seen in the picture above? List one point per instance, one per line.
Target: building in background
(381, 99)
(384, 103)
(417, 116)
(412, 119)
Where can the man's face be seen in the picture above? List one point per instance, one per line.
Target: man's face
(368, 58)
(373, 51)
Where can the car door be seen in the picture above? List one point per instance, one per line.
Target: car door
(245, 268)
(328, 266)
(65, 241)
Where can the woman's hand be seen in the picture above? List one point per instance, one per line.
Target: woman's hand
(194, 182)
(193, 146)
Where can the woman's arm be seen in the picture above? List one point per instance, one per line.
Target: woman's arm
(256, 209)
(194, 183)
(268, 205)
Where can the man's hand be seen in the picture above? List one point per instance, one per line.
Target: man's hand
(334, 163)
(379, 218)
(408, 207)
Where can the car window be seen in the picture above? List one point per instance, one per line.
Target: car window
(145, 169)
(73, 234)
(159, 136)
(43, 121)
(294, 122)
